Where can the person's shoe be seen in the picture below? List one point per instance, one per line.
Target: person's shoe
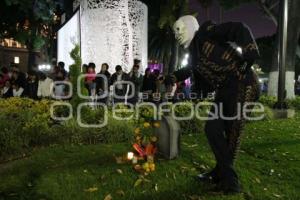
(228, 189)
(210, 177)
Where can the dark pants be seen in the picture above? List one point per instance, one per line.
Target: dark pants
(224, 134)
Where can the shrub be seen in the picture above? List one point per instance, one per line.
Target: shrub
(118, 131)
(271, 100)
(75, 72)
(268, 100)
(295, 103)
(193, 125)
(26, 124)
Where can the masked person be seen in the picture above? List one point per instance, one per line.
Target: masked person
(221, 57)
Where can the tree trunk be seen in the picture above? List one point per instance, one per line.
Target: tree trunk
(292, 43)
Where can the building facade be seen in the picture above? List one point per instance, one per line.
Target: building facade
(13, 52)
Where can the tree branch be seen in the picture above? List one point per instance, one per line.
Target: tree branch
(274, 5)
(268, 11)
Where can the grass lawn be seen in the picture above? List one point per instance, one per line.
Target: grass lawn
(268, 165)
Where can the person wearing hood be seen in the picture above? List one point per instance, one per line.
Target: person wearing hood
(220, 60)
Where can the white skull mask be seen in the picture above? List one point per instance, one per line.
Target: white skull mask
(185, 28)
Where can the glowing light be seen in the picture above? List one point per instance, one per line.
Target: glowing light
(239, 50)
(44, 67)
(184, 63)
(16, 60)
(130, 155)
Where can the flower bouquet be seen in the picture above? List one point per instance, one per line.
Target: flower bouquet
(145, 147)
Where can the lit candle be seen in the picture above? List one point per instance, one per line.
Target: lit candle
(130, 155)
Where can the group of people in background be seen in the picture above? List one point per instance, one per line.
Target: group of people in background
(36, 84)
(33, 84)
(150, 84)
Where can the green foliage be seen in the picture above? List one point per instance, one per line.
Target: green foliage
(170, 11)
(147, 113)
(26, 124)
(267, 100)
(33, 23)
(271, 100)
(267, 113)
(162, 43)
(193, 125)
(75, 72)
(118, 131)
(295, 103)
(268, 168)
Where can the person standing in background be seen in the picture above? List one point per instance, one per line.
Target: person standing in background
(102, 86)
(32, 85)
(89, 80)
(120, 89)
(148, 86)
(61, 67)
(136, 78)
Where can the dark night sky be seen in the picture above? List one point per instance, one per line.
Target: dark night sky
(247, 13)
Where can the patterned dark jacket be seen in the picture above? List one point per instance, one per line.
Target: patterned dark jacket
(213, 60)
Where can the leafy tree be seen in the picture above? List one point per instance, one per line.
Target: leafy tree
(162, 44)
(29, 22)
(75, 72)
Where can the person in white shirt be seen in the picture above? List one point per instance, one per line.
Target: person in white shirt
(17, 90)
(45, 88)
